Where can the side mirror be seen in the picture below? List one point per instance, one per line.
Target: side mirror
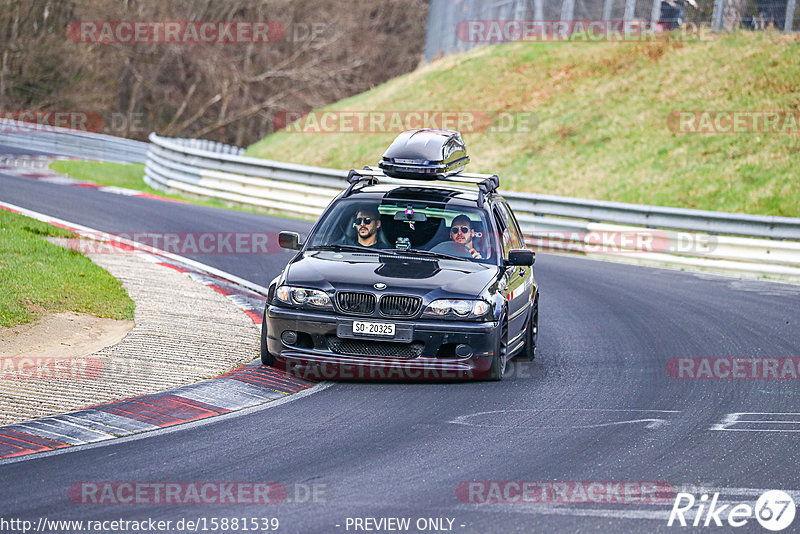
(520, 256)
(289, 240)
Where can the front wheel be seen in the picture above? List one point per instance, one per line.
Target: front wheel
(531, 333)
(266, 357)
(498, 368)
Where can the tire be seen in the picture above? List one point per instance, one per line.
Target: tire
(498, 368)
(532, 333)
(266, 357)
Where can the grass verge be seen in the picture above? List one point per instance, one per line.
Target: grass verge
(602, 110)
(124, 175)
(130, 176)
(37, 276)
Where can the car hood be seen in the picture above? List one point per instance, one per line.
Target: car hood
(360, 271)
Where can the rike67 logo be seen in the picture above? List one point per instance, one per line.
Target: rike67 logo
(774, 510)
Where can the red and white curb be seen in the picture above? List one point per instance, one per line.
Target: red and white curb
(38, 168)
(247, 386)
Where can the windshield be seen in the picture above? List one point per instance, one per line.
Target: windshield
(438, 228)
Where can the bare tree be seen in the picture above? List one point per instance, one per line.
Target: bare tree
(228, 92)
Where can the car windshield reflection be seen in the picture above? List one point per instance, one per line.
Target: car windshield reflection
(438, 230)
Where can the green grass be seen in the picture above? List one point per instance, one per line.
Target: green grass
(38, 277)
(130, 176)
(105, 173)
(602, 113)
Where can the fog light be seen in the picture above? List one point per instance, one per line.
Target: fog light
(289, 337)
(463, 351)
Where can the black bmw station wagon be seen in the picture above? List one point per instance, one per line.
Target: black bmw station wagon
(416, 271)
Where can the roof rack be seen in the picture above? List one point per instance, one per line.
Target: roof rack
(486, 183)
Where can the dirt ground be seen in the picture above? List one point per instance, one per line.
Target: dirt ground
(61, 335)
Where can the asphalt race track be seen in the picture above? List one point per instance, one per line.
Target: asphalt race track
(597, 405)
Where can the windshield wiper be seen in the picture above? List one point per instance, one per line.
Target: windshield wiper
(434, 254)
(352, 248)
(390, 252)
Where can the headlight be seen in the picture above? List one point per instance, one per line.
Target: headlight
(457, 309)
(301, 296)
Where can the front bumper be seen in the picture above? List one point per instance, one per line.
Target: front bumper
(427, 352)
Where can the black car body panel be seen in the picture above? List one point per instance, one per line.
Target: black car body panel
(416, 276)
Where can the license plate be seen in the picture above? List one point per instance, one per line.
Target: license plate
(369, 328)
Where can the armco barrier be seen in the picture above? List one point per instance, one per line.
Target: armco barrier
(72, 143)
(177, 165)
(209, 169)
(724, 241)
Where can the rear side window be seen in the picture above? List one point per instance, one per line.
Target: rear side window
(509, 234)
(503, 233)
(517, 239)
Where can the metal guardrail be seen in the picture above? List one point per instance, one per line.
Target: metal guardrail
(693, 238)
(761, 245)
(180, 165)
(715, 222)
(175, 165)
(72, 143)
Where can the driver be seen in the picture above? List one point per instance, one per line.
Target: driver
(367, 223)
(462, 233)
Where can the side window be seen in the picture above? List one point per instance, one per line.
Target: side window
(516, 235)
(504, 234)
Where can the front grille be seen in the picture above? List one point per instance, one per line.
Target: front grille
(353, 302)
(376, 349)
(400, 305)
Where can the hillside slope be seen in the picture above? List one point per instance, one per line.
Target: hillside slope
(602, 111)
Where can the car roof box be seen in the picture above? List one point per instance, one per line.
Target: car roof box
(425, 154)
